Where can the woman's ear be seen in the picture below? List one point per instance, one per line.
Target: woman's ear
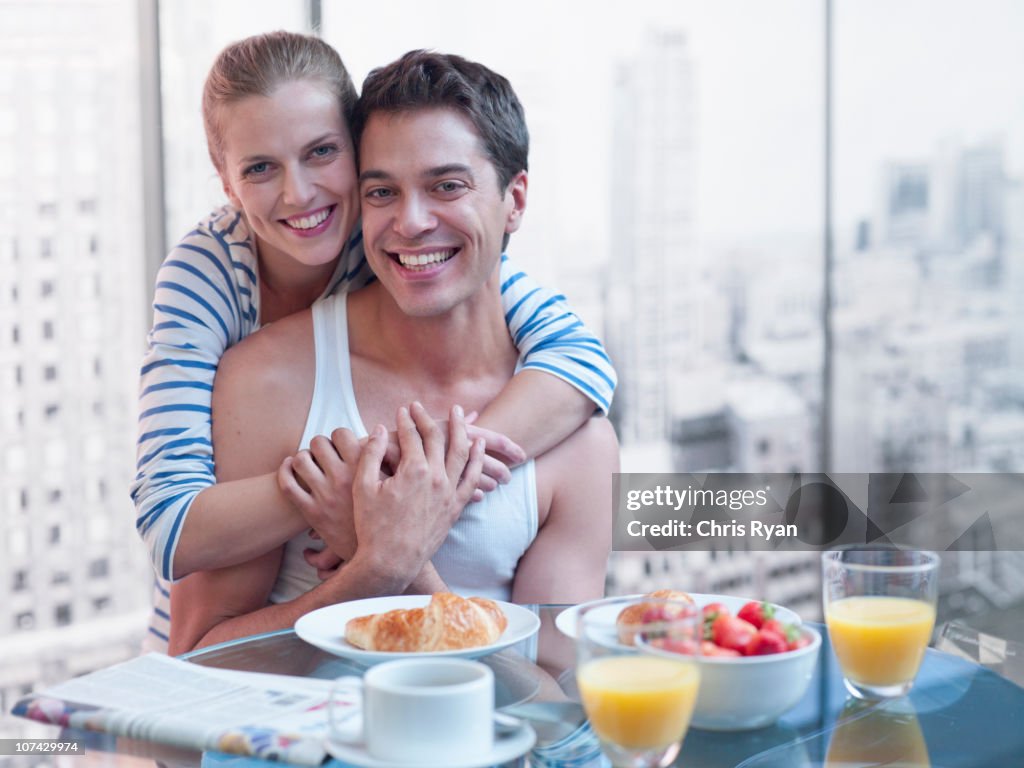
(229, 192)
(515, 195)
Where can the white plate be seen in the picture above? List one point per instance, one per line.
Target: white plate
(566, 620)
(506, 747)
(325, 628)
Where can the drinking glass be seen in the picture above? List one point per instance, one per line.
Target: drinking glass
(638, 677)
(880, 611)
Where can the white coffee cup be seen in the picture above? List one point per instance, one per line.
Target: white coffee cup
(420, 711)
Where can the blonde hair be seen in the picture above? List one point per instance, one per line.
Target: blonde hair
(257, 65)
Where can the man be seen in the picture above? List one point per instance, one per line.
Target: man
(443, 156)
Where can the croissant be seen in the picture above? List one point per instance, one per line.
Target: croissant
(633, 615)
(448, 622)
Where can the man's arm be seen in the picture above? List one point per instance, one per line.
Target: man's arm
(568, 560)
(399, 522)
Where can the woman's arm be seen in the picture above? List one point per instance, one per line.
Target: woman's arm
(205, 301)
(566, 374)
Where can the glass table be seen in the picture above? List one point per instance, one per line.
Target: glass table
(959, 714)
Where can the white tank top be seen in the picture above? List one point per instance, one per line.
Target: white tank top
(480, 555)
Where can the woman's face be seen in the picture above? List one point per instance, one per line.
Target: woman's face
(289, 165)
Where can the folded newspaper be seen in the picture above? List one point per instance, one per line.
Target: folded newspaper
(166, 700)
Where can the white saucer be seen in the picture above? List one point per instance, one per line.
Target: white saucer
(506, 747)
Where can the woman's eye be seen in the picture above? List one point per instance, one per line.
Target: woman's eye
(256, 169)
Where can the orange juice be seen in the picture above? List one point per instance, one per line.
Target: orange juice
(639, 701)
(880, 640)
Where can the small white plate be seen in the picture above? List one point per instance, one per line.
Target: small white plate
(566, 620)
(325, 628)
(506, 747)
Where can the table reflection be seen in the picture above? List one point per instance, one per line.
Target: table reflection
(888, 734)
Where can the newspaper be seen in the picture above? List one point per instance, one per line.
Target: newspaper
(163, 699)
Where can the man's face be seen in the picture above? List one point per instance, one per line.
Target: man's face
(433, 215)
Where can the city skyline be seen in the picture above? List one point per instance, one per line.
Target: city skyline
(929, 341)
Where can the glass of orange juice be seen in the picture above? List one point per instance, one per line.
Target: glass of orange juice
(880, 611)
(638, 677)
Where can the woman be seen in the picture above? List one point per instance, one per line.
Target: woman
(289, 236)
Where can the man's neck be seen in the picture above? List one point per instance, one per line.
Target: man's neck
(464, 356)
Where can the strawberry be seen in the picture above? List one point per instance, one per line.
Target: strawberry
(732, 632)
(799, 641)
(765, 642)
(677, 645)
(707, 648)
(756, 613)
(710, 612)
(713, 609)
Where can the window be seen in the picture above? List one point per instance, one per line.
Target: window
(51, 411)
(48, 210)
(61, 577)
(50, 373)
(48, 329)
(46, 248)
(101, 604)
(46, 288)
(19, 581)
(62, 614)
(99, 568)
(86, 206)
(25, 620)
(54, 534)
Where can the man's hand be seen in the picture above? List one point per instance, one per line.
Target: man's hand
(401, 521)
(500, 453)
(318, 482)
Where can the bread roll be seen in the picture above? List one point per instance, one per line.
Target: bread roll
(632, 615)
(449, 622)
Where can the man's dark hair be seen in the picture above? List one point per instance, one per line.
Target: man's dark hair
(425, 79)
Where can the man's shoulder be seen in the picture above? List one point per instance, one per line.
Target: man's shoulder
(272, 356)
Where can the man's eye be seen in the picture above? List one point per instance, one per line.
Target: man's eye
(325, 150)
(450, 186)
(378, 193)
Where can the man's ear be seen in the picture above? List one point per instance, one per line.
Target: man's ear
(515, 193)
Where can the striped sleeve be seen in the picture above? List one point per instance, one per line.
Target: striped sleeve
(551, 338)
(203, 303)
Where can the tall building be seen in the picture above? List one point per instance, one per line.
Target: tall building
(71, 336)
(655, 285)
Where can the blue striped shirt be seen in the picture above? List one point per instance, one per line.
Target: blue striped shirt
(207, 299)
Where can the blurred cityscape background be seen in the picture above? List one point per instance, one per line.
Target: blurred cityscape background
(699, 173)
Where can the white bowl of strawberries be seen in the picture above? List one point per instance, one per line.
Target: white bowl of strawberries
(756, 662)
